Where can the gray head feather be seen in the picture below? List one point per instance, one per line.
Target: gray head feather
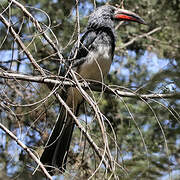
(102, 17)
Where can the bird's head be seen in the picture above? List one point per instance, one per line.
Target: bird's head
(106, 15)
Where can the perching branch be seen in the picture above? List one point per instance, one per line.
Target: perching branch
(95, 86)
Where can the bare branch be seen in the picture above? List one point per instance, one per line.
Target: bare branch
(21, 44)
(38, 27)
(100, 121)
(95, 86)
(138, 37)
(84, 131)
(26, 149)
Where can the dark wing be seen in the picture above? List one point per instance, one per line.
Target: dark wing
(85, 46)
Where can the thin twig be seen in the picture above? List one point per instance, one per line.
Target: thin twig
(138, 37)
(90, 140)
(21, 44)
(38, 27)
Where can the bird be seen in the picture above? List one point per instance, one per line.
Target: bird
(91, 58)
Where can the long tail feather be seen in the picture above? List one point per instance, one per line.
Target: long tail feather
(57, 147)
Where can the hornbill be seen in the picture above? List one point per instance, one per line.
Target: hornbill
(92, 60)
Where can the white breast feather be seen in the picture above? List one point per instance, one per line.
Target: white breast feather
(97, 64)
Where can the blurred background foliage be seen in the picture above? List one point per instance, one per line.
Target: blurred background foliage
(147, 132)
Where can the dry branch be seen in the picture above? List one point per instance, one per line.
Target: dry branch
(21, 44)
(7, 131)
(90, 140)
(138, 37)
(38, 27)
(85, 85)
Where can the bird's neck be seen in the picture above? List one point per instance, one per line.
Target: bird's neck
(108, 36)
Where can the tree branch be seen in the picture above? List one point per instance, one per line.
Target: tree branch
(138, 37)
(27, 150)
(84, 131)
(21, 44)
(39, 28)
(95, 86)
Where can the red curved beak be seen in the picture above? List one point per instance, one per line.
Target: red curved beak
(125, 15)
